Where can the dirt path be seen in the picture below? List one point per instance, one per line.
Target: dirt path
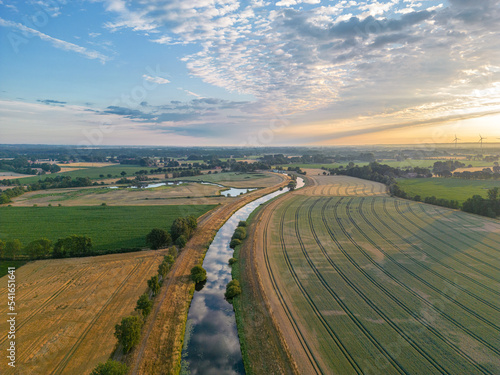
(160, 349)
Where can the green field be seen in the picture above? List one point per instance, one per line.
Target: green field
(92, 172)
(223, 178)
(422, 163)
(110, 227)
(447, 188)
(5, 264)
(385, 285)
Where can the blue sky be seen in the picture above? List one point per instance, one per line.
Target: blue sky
(255, 73)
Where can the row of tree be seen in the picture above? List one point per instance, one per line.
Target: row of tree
(489, 206)
(71, 246)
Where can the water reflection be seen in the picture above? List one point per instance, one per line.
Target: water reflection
(211, 343)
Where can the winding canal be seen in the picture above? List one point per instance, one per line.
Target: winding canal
(211, 344)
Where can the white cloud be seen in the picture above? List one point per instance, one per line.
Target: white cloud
(58, 43)
(158, 80)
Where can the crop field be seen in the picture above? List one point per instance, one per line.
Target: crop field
(373, 284)
(447, 188)
(111, 227)
(68, 309)
(91, 172)
(237, 180)
(163, 195)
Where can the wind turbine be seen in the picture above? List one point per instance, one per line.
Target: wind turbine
(456, 141)
(481, 141)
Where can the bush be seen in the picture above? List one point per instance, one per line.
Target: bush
(198, 274)
(234, 242)
(110, 368)
(232, 261)
(232, 289)
(240, 233)
(242, 223)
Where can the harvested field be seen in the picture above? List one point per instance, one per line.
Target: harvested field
(373, 284)
(68, 308)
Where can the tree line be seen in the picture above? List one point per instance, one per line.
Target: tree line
(71, 246)
(181, 230)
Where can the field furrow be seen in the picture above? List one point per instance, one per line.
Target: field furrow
(372, 284)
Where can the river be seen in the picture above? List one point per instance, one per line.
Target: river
(211, 343)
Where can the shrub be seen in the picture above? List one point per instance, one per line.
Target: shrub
(110, 367)
(232, 289)
(232, 261)
(234, 242)
(198, 274)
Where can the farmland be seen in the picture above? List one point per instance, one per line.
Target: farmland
(91, 172)
(371, 284)
(69, 308)
(447, 188)
(110, 227)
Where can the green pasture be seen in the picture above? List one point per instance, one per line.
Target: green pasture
(447, 188)
(110, 227)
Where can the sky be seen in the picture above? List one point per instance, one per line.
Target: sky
(249, 73)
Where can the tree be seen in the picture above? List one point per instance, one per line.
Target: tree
(198, 274)
(128, 332)
(232, 289)
(144, 305)
(123, 173)
(493, 194)
(163, 269)
(13, 248)
(158, 238)
(73, 245)
(110, 367)
(154, 284)
(39, 248)
(181, 241)
(179, 228)
(291, 185)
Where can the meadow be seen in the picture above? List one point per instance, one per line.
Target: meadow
(374, 284)
(447, 188)
(110, 227)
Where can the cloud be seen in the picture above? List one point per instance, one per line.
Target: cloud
(51, 102)
(57, 43)
(309, 61)
(158, 80)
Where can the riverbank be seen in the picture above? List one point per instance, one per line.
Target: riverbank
(160, 349)
(262, 346)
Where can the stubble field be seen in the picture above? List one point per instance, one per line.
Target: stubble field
(67, 310)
